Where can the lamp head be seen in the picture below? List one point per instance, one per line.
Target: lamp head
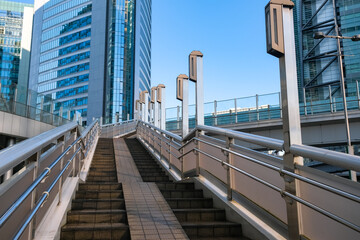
(319, 35)
(355, 38)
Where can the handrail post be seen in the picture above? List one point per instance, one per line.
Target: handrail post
(257, 107)
(170, 140)
(215, 113)
(33, 196)
(304, 96)
(330, 98)
(197, 135)
(358, 93)
(229, 142)
(61, 178)
(236, 113)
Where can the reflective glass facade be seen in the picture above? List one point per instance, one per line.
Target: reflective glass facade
(11, 23)
(85, 63)
(317, 61)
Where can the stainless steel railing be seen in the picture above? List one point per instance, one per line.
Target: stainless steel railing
(78, 149)
(118, 129)
(200, 154)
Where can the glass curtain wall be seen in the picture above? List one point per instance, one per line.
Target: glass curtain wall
(120, 80)
(11, 21)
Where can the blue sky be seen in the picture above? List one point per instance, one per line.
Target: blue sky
(231, 35)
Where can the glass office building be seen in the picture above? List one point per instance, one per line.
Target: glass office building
(84, 55)
(14, 37)
(317, 61)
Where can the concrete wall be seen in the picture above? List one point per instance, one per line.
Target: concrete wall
(22, 127)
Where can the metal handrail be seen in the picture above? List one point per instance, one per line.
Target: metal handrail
(10, 157)
(285, 193)
(285, 172)
(327, 156)
(44, 197)
(43, 175)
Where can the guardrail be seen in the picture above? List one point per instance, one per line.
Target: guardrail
(118, 129)
(329, 202)
(31, 112)
(228, 112)
(50, 158)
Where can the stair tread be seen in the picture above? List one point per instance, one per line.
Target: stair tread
(92, 226)
(102, 191)
(93, 211)
(100, 199)
(198, 210)
(210, 223)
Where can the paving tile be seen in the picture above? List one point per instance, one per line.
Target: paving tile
(149, 215)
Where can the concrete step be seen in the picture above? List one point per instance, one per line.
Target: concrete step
(96, 216)
(154, 174)
(186, 193)
(212, 229)
(177, 185)
(81, 204)
(103, 231)
(102, 186)
(155, 178)
(99, 194)
(200, 215)
(183, 203)
(102, 179)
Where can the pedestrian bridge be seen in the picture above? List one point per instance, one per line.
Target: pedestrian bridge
(134, 180)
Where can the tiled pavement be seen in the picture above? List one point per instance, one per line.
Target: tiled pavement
(149, 215)
(125, 166)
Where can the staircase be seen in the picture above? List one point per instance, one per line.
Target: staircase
(98, 210)
(198, 217)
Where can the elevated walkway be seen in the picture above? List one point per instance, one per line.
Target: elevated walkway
(161, 186)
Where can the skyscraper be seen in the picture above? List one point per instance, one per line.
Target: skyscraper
(318, 66)
(15, 41)
(92, 56)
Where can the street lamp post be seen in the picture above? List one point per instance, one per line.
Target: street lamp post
(355, 38)
(280, 42)
(182, 94)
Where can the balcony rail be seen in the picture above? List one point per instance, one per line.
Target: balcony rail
(216, 154)
(48, 160)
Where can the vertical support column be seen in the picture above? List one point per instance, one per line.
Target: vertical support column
(152, 110)
(353, 176)
(291, 120)
(33, 197)
(196, 75)
(177, 117)
(280, 42)
(146, 106)
(280, 105)
(9, 173)
(156, 112)
(182, 94)
(117, 117)
(161, 100)
(68, 115)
